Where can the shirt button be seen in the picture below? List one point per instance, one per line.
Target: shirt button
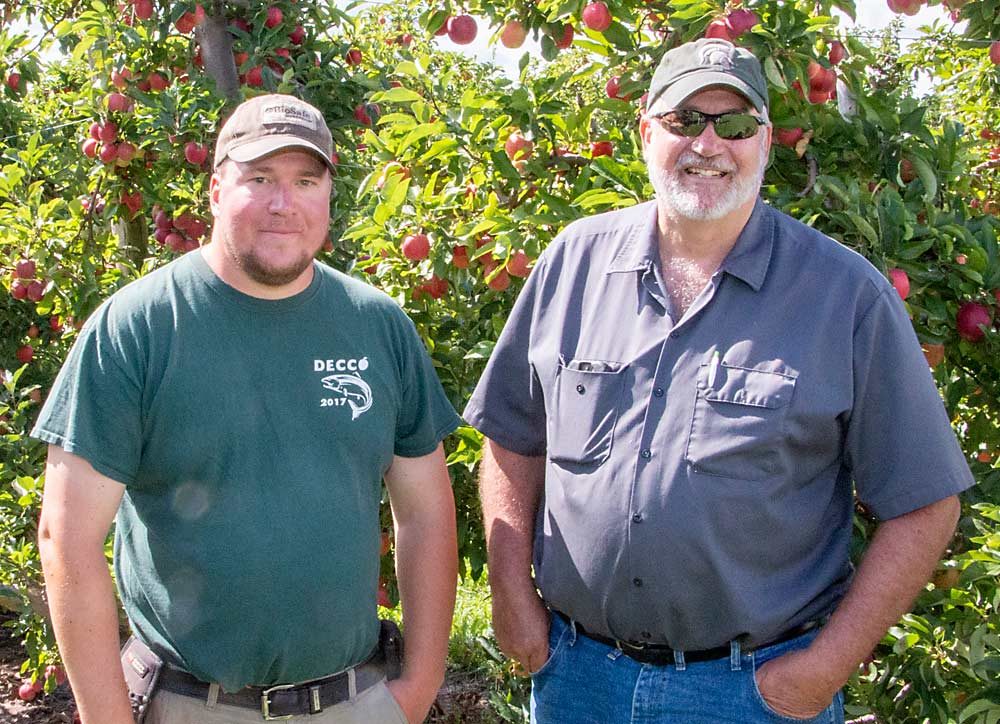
(637, 518)
(637, 582)
(646, 454)
(658, 392)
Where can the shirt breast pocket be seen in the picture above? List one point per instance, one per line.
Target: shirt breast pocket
(737, 430)
(585, 411)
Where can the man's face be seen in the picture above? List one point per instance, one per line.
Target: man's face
(705, 178)
(271, 216)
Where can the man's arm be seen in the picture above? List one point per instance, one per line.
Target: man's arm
(510, 488)
(896, 566)
(78, 508)
(423, 510)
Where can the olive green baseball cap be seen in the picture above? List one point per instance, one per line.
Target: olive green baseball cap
(702, 64)
(269, 123)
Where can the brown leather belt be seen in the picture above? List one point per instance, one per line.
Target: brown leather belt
(285, 700)
(662, 655)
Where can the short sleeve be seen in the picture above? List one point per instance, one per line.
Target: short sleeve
(508, 404)
(426, 416)
(94, 407)
(900, 445)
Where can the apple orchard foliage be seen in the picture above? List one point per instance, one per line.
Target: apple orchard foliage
(452, 179)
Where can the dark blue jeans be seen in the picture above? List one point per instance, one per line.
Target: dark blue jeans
(587, 682)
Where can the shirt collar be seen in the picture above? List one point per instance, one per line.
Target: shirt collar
(640, 250)
(750, 256)
(748, 260)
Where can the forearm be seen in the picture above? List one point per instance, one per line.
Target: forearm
(510, 490)
(85, 618)
(896, 566)
(427, 568)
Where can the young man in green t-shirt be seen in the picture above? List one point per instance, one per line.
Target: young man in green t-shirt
(238, 410)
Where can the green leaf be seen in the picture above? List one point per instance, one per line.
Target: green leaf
(396, 95)
(925, 172)
(774, 76)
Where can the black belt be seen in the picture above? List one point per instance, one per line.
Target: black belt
(662, 655)
(285, 700)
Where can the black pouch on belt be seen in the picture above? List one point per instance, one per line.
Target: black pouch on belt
(390, 643)
(141, 667)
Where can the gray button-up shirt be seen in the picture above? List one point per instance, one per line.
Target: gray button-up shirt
(700, 471)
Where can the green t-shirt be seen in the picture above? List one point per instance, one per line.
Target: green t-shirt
(252, 436)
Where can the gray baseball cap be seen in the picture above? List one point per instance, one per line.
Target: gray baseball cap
(701, 64)
(265, 124)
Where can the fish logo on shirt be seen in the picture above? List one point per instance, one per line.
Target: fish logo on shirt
(353, 389)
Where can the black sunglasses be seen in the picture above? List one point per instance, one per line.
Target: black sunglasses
(729, 126)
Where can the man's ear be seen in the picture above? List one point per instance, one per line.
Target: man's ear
(213, 192)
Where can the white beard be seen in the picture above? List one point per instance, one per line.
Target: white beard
(688, 203)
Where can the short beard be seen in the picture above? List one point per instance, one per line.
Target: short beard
(687, 204)
(263, 274)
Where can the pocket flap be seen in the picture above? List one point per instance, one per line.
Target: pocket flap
(745, 386)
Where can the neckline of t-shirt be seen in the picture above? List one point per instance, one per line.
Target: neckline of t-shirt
(267, 306)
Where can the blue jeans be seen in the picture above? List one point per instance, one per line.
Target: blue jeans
(587, 682)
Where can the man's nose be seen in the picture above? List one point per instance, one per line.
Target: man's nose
(708, 143)
(280, 200)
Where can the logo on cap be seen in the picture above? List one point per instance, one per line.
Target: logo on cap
(286, 113)
(718, 54)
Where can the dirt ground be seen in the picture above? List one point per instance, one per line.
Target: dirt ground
(461, 700)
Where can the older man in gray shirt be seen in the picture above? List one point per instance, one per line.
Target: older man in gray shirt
(679, 411)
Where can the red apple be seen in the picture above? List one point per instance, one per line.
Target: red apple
(596, 16)
(900, 282)
(821, 80)
(95, 130)
(143, 9)
(25, 269)
(158, 82)
(274, 17)
(518, 264)
(601, 148)
(995, 52)
(460, 256)
(612, 87)
(120, 78)
(55, 324)
(55, 672)
(971, 317)
(36, 290)
(361, 115)
(108, 152)
(518, 147)
(718, 29)
(26, 691)
(907, 172)
(89, 148)
(185, 23)
(566, 39)
(353, 57)
(462, 29)
(108, 133)
(255, 77)
(500, 282)
(118, 102)
(513, 34)
(14, 81)
(25, 354)
(787, 136)
(297, 36)
(741, 20)
(837, 52)
(195, 153)
(125, 152)
(19, 289)
(32, 331)
(416, 247)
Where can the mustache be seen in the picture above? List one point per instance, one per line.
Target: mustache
(690, 159)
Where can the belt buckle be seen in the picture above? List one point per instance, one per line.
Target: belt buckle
(265, 702)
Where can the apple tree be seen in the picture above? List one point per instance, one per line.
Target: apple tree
(451, 180)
